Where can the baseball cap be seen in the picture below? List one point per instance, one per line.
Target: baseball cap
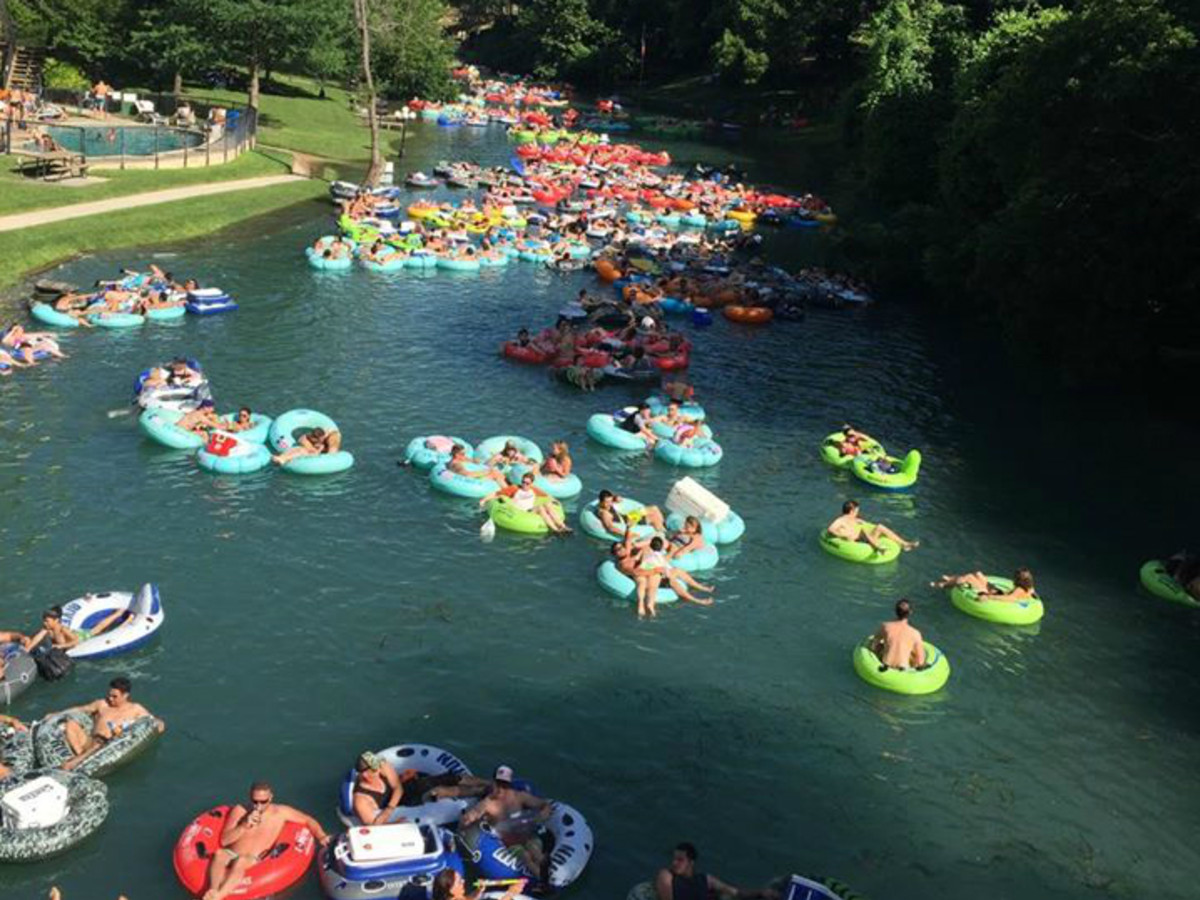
(369, 760)
(648, 322)
(503, 773)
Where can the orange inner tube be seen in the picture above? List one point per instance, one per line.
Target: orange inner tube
(607, 271)
(748, 315)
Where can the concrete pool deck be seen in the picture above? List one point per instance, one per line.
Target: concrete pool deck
(150, 198)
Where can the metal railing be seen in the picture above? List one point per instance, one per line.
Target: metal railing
(210, 135)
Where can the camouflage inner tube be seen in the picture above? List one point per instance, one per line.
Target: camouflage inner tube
(87, 808)
(16, 750)
(50, 743)
(20, 671)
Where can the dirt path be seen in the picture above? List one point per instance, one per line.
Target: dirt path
(132, 201)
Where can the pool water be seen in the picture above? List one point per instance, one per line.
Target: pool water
(311, 618)
(133, 140)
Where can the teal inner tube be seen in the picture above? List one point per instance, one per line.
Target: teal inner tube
(458, 265)
(603, 429)
(1155, 579)
(257, 433)
(489, 447)
(500, 259)
(1004, 612)
(622, 586)
(530, 256)
(694, 220)
(729, 529)
(860, 551)
(117, 320)
(702, 454)
(338, 264)
(242, 460)
(667, 432)
(558, 488)
(423, 260)
(902, 479)
(593, 527)
(700, 560)
(166, 313)
(392, 264)
(48, 315)
(903, 681)
(282, 436)
(831, 454)
(460, 485)
(158, 424)
(418, 453)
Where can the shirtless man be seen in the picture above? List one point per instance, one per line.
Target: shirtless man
(251, 833)
(849, 527)
(109, 717)
(502, 808)
(17, 724)
(65, 638)
(897, 644)
(681, 881)
(314, 443)
(200, 420)
(614, 522)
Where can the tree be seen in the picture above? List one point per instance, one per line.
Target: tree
(362, 20)
(169, 41)
(263, 33)
(561, 36)
(415, 55)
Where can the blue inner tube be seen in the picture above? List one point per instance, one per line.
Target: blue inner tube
(282, 436)
(701, 454)
(245, 458)
(166, 313)
(48, 315)
(423, 457)
(489, 447)
(622, 586)
(603, 428)
(460, 485)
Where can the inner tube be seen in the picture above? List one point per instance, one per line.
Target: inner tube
(1019, 612)
(159, 424)
(558, 488)
(902, 479)
(427, 450)
(623, 587)
(626, 506)
(566, 835)
(425, 760)
(86, 810)
(604, 429)
(284, 865)
(658, 404)
(489, 447)
(860, 551)
(507, 515)
(801, 887)
(243, 458)
(398, 860)
(48, 315)
(282, 436)
(116, 320)
(832, 455)
(460, 485)
(748, 315)
(902, 681)
(166, 313)
(50, 744)
(1155, 579)
(20, 671)
(527, 354)
(16, 749)
(701, 454)
(143, 617)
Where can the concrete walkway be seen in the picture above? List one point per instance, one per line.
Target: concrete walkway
(132, 201)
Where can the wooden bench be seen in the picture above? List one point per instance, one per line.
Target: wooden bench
(51, 165)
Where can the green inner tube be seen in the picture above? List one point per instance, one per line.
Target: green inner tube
(904, 477)
(902, 681)
(1006, 612)
(52, 751)
(1156, 580)
(506, 515)
(829, 450)
(860, 551)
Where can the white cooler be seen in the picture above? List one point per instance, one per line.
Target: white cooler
(688, 498)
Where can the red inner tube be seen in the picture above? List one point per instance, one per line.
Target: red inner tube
(284, 865)
(528, 354)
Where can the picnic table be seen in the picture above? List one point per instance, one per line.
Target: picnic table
(51, 165)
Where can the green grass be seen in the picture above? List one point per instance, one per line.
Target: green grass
(21, 194)
(301, 121)
(34, 249)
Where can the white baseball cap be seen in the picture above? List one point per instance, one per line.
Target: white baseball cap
(503, 773)
(648, 322)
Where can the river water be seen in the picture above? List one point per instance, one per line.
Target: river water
(309, 619)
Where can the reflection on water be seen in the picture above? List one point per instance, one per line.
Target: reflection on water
(312, 618)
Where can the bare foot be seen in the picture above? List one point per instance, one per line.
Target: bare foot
(911, 545)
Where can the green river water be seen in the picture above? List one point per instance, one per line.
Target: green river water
(310, 618)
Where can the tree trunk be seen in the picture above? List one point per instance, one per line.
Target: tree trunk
(253, 93)
(362, 18)
(8, 35)
(177, 84)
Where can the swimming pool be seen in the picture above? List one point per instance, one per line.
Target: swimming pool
(133, 140)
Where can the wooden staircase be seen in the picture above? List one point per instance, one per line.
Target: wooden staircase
(26, 71)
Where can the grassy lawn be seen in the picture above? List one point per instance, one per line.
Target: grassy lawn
(299, 120)
(20, 194)
(37, 248)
